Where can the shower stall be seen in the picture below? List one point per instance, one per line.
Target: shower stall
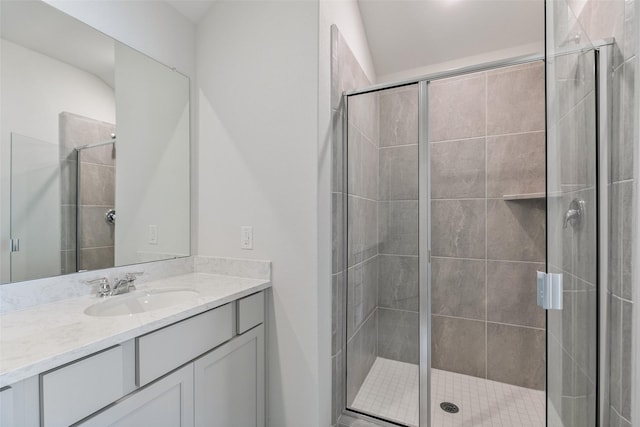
(468, 270)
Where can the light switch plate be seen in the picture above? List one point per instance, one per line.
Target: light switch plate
(246, 237)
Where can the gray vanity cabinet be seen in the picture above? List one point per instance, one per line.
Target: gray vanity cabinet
(229, 383)
(207, 370)
(166, 403)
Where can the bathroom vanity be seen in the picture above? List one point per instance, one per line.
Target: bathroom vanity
(137, 360)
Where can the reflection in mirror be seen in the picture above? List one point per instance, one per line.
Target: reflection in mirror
(71, 98)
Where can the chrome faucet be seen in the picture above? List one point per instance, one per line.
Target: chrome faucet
(104, 289)
(120, 286)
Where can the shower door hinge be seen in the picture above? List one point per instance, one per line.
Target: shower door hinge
(14, 245)
(550, 290)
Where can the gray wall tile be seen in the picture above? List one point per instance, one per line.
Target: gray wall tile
(515, 230)
(585, 325)
(574, 139)
(97, 185)
(355, 161)
(584, 239)
(398, 224)
(370, 170)
(102, 155)
(398, 285)
(626, 238)
(515, 164)
(68, 241)
(399, 116)
(512, 294)
(627, 363)
(94, 230)
(622, 139)
(584, 399)
(337, 374)
(399, 173)
(338, 292)
(76, 131)
(615, 375)
(337, 233)
(398, 335)
(350, 73)
(458, 169)
(458, 345)
(68, 182)
(364, 115)
(458, 228)
(95, 258)
(362, 293)
(337, 141)
(515, 355)
(362, 351)
(560, 323)
(457, 107)
(458, 287)
(516, 99)
(615, 241)
(362, 230)
(560, 389)
(68, 260)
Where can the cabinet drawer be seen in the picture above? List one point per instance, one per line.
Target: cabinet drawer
(162, 351)
(74, 391)
(250, 312)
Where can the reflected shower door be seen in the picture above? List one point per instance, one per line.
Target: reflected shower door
(572, 216)
(35, 208)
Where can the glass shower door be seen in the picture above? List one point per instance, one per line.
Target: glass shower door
(572, 197)
(382, 255)
(35, 208)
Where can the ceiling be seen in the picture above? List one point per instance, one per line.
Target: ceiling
(192, 9)
(44, 29)
(405, 35)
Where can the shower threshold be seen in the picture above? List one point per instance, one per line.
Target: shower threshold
(390, 391)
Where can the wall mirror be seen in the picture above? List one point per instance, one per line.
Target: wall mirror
(94, 148)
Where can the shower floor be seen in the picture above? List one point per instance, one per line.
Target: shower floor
(390, 391)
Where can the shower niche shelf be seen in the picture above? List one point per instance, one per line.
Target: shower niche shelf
(524, 196)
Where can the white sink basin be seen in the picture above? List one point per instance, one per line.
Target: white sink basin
(141, 301)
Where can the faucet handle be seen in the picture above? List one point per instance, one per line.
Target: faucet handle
(103, 285)
(131, 276)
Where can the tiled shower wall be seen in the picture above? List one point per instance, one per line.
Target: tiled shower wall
(600, 20)
(398, 304)
(347, 74)
(622, 290)
(487, 142)
(97, 196)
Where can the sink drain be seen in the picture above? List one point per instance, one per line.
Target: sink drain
(449, 407)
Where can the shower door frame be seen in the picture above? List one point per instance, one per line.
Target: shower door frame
(424, 236)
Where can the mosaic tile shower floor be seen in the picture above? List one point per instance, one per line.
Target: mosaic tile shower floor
(391, 391)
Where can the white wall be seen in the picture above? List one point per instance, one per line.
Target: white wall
(258, 132)
(152, 178)
(35, 90)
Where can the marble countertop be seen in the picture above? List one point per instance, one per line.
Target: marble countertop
(43, 337)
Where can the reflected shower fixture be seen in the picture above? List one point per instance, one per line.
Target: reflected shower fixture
(574, 214)
(110, 216)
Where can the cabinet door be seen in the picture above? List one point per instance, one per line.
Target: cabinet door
(167, 402)
(229, 383)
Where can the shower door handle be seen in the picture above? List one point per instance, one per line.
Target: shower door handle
(14, 245)
(550, 289)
